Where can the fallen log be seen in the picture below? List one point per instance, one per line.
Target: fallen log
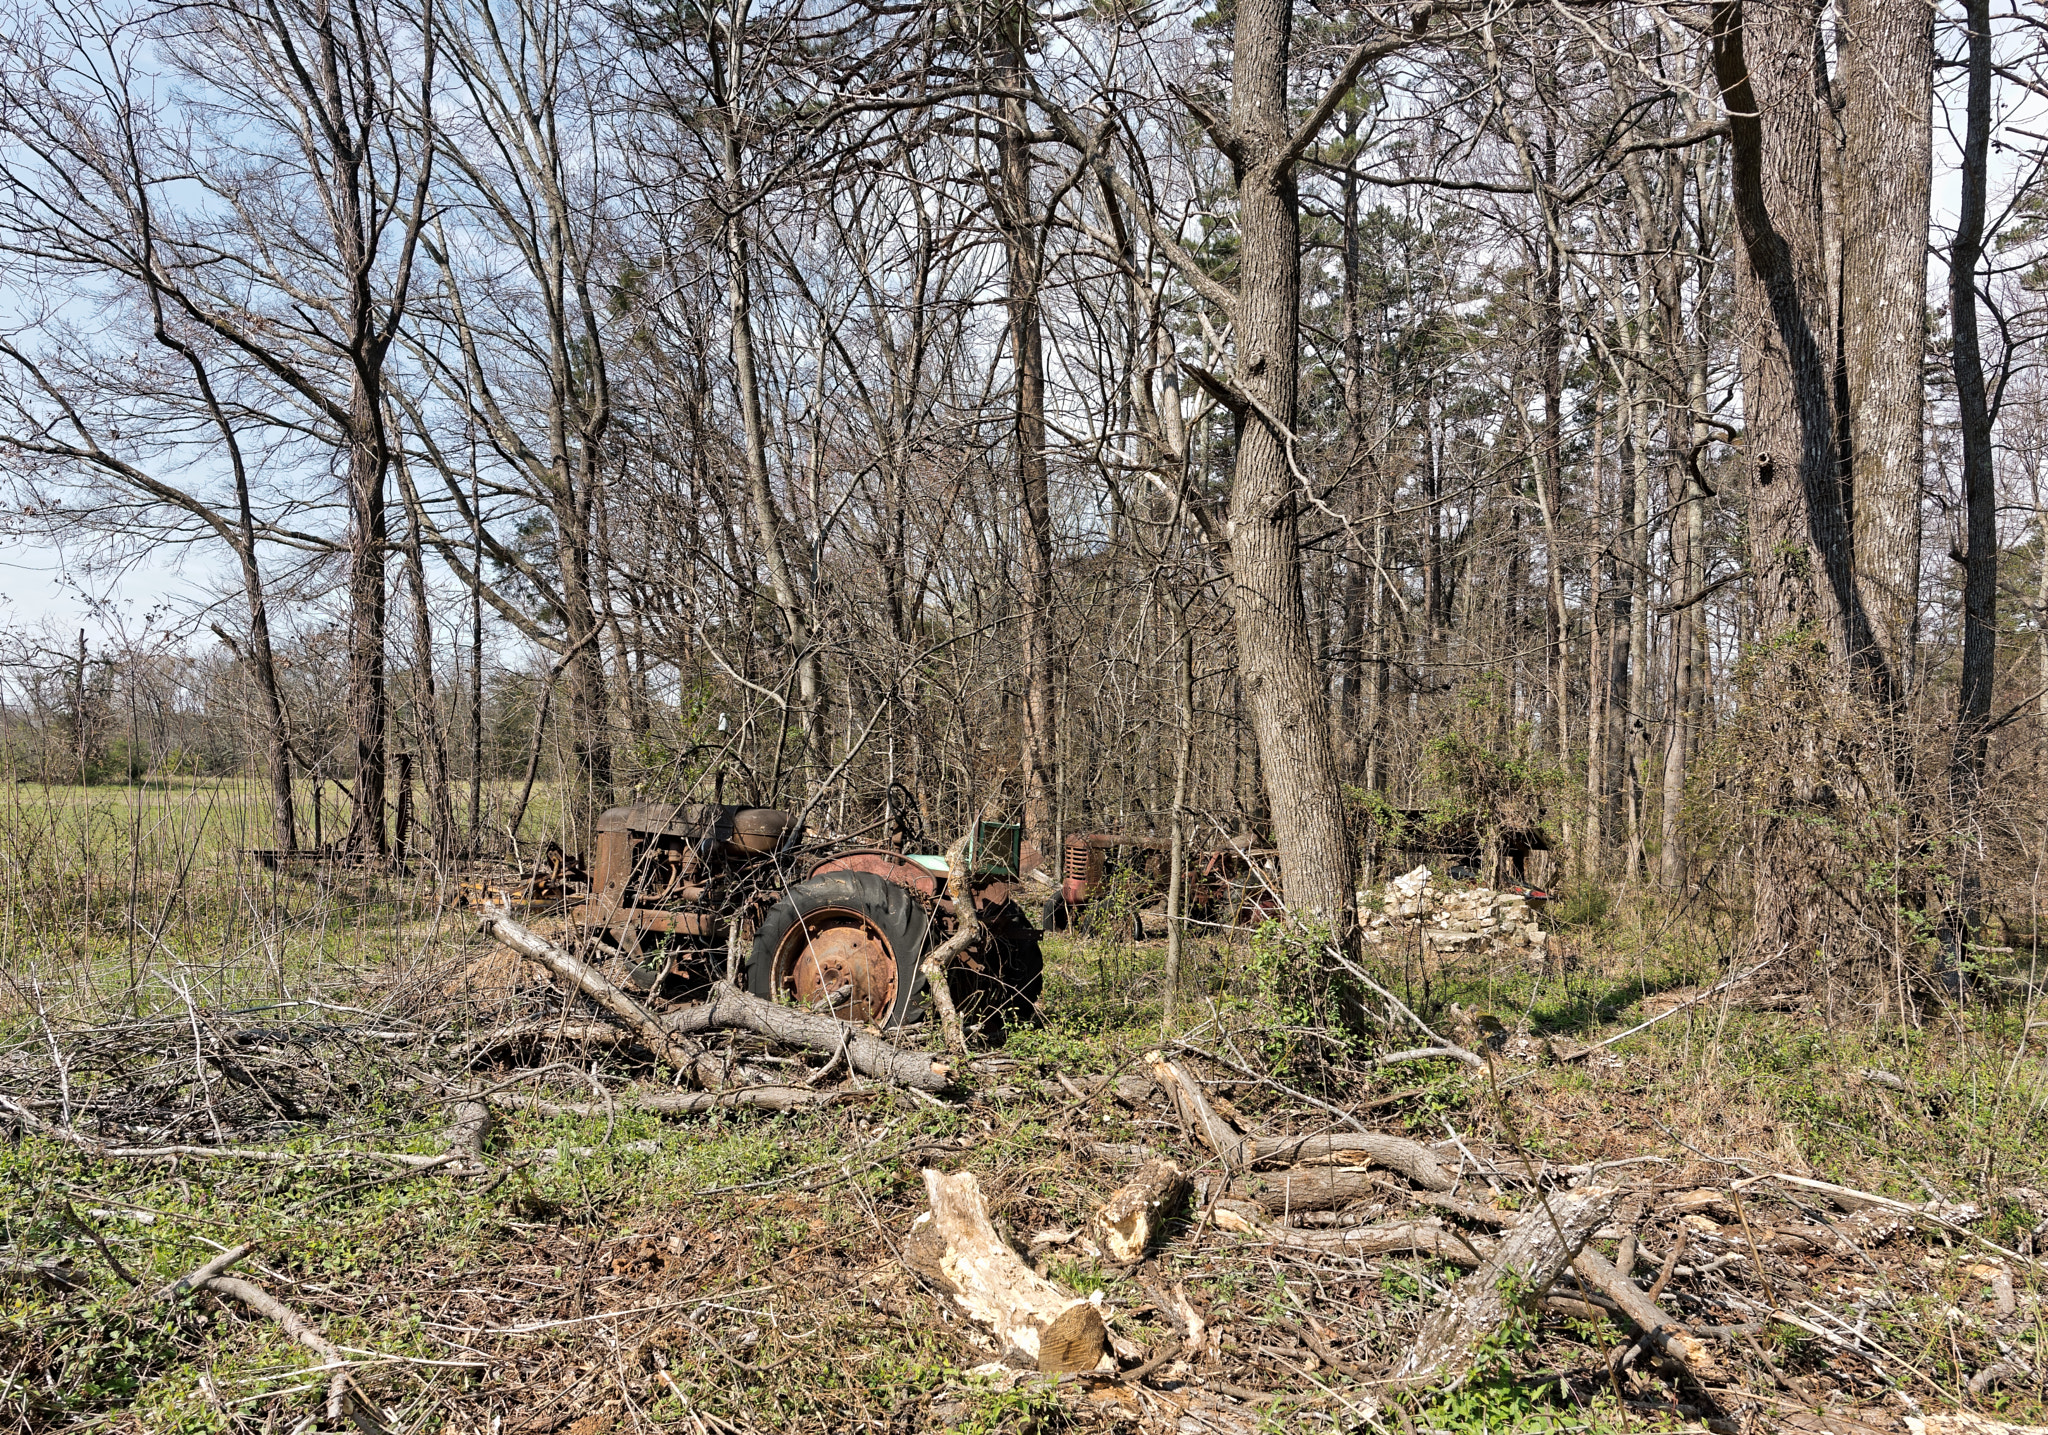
(1521, 1270)
(1128, 1220)
(1196, 1114)
(955, 1246)
(668, 1102)
(1661, 1334)
(1308, 1188)
(1428, 1237)
(728, 1007)
(1396, 1153)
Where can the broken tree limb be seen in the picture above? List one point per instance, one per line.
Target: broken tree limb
(1128, 1220)
(1521, 1270)
(192, 1280)
(679, 1055)
(666, 1102)
(1428, 1237)
(728, 1007)
(1726, 982)
(1196, 1114)
(1661, 1334)
(955, 1246)
(342, 1401)
(937, 963)
(1396, 1153)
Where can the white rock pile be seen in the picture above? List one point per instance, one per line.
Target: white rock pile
(1452, 919)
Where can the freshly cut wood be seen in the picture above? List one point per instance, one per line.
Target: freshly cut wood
(1128, 1220)
(728, 1007)
(1208, 1125)
(1397, 1153)
(1521, 1270)
(1661, 1334)
(956, 1246)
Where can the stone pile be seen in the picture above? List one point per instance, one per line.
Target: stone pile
(1451, 920)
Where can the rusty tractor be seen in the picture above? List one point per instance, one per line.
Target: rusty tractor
(675, 889)
(1234, 885)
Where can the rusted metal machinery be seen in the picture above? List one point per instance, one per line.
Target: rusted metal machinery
(1235, 885)
(839, 928)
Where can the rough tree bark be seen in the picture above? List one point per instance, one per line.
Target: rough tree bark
(1284, 690)
(1821, 684)
(1980, 493)
(1520, 1271)
(1020, 229)
(1885, 62)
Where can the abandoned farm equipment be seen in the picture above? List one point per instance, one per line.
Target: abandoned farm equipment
(675, 889)
(1235, 885)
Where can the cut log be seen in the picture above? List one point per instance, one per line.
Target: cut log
(728, 1008)
(666, 1102)
(1521, 1270)
(1426, 1237)
(1305, 1188)
(469, 1131)
(1396, 1153)
(1661, 1334)
(1128, 1220)
(955, 1246)
(1208, 1125)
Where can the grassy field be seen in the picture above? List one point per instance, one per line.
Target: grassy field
(740, 1271)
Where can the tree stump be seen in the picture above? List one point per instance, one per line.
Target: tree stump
(1125, 1225)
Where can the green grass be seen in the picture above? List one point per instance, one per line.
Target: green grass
(786, 1225)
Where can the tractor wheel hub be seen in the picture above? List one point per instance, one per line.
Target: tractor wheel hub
(836, 960)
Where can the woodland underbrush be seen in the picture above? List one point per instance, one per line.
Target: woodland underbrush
(741, 1270)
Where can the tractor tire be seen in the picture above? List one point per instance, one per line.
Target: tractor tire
(1018, 975)
(852, 932)
(1056, 914)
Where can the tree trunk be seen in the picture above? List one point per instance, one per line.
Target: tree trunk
(1886, 66)
(754, 423)
(1177, 858)
(1027, 361)
(1822, 690)
(426, 701)
(1276, 651)
(368, 460)
(1980, 493)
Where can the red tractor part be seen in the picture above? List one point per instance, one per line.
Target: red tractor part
(844, 931)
